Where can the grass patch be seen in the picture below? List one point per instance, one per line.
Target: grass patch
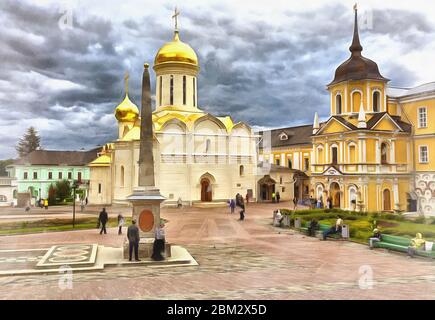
(52, 225)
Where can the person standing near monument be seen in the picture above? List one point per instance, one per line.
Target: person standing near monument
(159, 243)
(103, 218)
(133, 240)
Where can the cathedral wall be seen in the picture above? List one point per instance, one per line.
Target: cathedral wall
(100, 186)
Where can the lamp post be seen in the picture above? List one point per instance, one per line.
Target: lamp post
(74, 187)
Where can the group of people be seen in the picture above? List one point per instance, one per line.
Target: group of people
(276, 196)
(133, 236)
(239, 202)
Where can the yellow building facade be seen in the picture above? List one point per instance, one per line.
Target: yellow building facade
(376, 151)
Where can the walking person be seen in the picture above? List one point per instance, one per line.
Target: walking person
(278, 196)
(247, 198)
(82, 205)
(86, 201)
(121, 222)
(46, 204)
(240, 203)
(133, 240)
(232, 205)
(295, 203)
(159, 243)
(103, 218)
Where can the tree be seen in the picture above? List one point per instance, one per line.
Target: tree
(51, 195)
(29, 142)
(3, 165)
(63, 190)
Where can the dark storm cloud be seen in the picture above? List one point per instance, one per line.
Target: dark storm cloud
(68, 82)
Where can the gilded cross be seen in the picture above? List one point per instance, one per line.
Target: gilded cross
(175, 17)
(126, 82)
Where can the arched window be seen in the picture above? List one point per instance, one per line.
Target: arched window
(338, 106)
(384, 153)
(352, 198)
(356, 101)
(376, 101)
(241, 171)
(184, 89)
(194, 92)
(14, 194)
(171, 91)
(122, 176)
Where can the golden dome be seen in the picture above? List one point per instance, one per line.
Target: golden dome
(126, 110)
(176, 51)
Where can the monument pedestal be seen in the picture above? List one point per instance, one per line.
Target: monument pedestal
(146, 249)
(146, 211)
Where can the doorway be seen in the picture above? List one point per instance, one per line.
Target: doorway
(335, 195)
(387, 200)
(206, 191)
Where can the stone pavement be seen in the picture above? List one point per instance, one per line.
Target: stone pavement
(237, 260)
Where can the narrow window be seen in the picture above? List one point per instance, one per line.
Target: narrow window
(384, 153)
(307, 164)
(422, 117)
(122, 176)
(241, 171)
(290, 165)
(79, 177)
(207, 145)
(171, 91)
(424, 154)
(376, 101)
(338, 104)
(26, 175)
(194, 92)
(60, 175)
(160, 90)
(50, 175)
(99, 188)
(277, 162)
(184, 90)
(334, 155)
(69, 175)
(35, 175)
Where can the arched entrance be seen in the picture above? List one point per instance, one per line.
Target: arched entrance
(206, 191)
(266, 187)
(334, 191)
(387, 200)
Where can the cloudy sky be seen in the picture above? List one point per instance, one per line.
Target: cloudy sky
(266, 63)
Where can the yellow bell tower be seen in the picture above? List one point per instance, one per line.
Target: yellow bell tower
(357, 82)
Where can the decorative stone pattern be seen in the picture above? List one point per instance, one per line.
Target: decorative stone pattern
(425, 190)
(71, 255)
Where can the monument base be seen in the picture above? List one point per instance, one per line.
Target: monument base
(145, 249)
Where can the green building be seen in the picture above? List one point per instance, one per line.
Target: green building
(39, 169)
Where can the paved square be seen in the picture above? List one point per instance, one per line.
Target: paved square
(237, 260)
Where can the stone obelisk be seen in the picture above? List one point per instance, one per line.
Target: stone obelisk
(146, 198)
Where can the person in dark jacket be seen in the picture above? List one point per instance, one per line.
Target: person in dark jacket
(312, 227)
(103, 218)
(278, 196)
(241, 204)
(133, 240)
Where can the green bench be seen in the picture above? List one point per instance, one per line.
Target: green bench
(400, 244)
(322, 227)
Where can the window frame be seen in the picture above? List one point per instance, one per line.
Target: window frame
(419, 117)
(420, 159)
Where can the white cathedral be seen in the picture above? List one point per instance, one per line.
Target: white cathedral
(198, 157)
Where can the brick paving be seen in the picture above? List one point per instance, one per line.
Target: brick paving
(237, 260)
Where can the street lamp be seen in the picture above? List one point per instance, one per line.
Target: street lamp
(74, 187)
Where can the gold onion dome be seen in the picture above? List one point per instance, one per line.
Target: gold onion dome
(126, 110)
(176, 51)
